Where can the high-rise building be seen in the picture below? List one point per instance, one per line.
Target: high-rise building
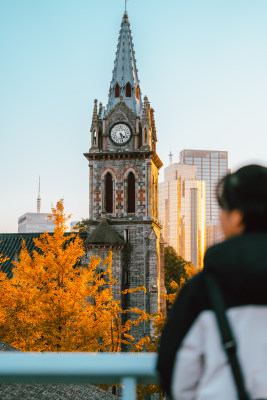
(182, 212)
(211, 167)
(35, 223)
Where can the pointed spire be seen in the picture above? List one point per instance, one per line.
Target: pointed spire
(100, 110)
(94, 118)
(39, 198)
(145, 113)
(153, 125)
(125, 80)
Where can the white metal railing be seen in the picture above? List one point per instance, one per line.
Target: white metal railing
(129, 369)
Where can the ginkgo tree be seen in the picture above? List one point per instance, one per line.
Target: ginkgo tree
(55, 303)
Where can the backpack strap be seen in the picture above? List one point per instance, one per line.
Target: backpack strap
(227, 337)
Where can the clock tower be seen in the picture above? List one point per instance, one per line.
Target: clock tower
(123, 185)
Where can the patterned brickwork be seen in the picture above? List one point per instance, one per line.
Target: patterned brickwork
(140, 261)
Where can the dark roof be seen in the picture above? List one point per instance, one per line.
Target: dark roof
(10, 246)
(6, 347)
(104, 234)
(51, 392)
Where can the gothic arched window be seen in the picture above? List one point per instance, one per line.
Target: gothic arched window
(131, 193)
(108, 193)
(128, 90)
(117, 90)
(137, 92)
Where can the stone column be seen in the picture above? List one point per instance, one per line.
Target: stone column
(91, 191)
(104, 135)
(136, 135)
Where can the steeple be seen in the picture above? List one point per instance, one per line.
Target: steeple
(125, 80)
(39, 198)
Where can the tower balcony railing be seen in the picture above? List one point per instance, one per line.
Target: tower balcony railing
(127, 369)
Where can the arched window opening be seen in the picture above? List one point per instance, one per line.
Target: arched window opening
(108, 193)
(131, 193)
(117, 90)
(145, 135)
(137, 92)
(94, 140)
(128, 91)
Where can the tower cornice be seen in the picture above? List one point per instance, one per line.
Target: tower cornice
(123, 155)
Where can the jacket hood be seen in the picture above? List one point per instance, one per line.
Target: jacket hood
(239, 263)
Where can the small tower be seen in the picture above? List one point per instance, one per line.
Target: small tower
(95, 128)
(39, 199)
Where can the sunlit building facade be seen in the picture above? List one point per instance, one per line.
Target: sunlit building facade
(35, 223)
(211, 167)
(182, 212)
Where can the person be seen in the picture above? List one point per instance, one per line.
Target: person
(192, 363)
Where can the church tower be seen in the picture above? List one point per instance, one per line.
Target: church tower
(123, 184)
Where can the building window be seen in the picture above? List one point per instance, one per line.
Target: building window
(126, 278)
(131, 193)
(126, 235)
(128, 90)
(117, 90)
(108, 193)
(137, 92)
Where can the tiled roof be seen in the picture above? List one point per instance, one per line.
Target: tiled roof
(10, 246)
(104, 234)
(50, 392)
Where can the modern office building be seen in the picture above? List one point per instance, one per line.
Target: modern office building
(35, 223)
(211, 167)
(182, 212)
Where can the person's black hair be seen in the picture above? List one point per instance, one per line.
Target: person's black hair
(246, 191)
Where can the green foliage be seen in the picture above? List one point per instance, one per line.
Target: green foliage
(81, 226)
(175, 268)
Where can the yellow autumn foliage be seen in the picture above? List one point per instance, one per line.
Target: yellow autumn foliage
(52, 303)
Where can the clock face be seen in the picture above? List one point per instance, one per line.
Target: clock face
(120, 133)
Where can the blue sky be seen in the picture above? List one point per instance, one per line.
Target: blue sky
(202, 64)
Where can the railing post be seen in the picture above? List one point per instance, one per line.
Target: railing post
(128, 388)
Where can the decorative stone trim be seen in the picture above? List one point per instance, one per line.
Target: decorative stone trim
(130, 169)
(108, 169)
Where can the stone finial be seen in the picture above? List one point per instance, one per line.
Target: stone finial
(103, 216)
(94, 118)
(153, 125)
(100, 110)
(145, 114)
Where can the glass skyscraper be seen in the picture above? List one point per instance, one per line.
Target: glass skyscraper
(182, 211)
(212, 165)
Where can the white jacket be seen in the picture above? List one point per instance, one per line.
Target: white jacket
(192, 362)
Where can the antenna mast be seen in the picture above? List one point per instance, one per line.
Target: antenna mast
(39, 199)
(170, 158)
